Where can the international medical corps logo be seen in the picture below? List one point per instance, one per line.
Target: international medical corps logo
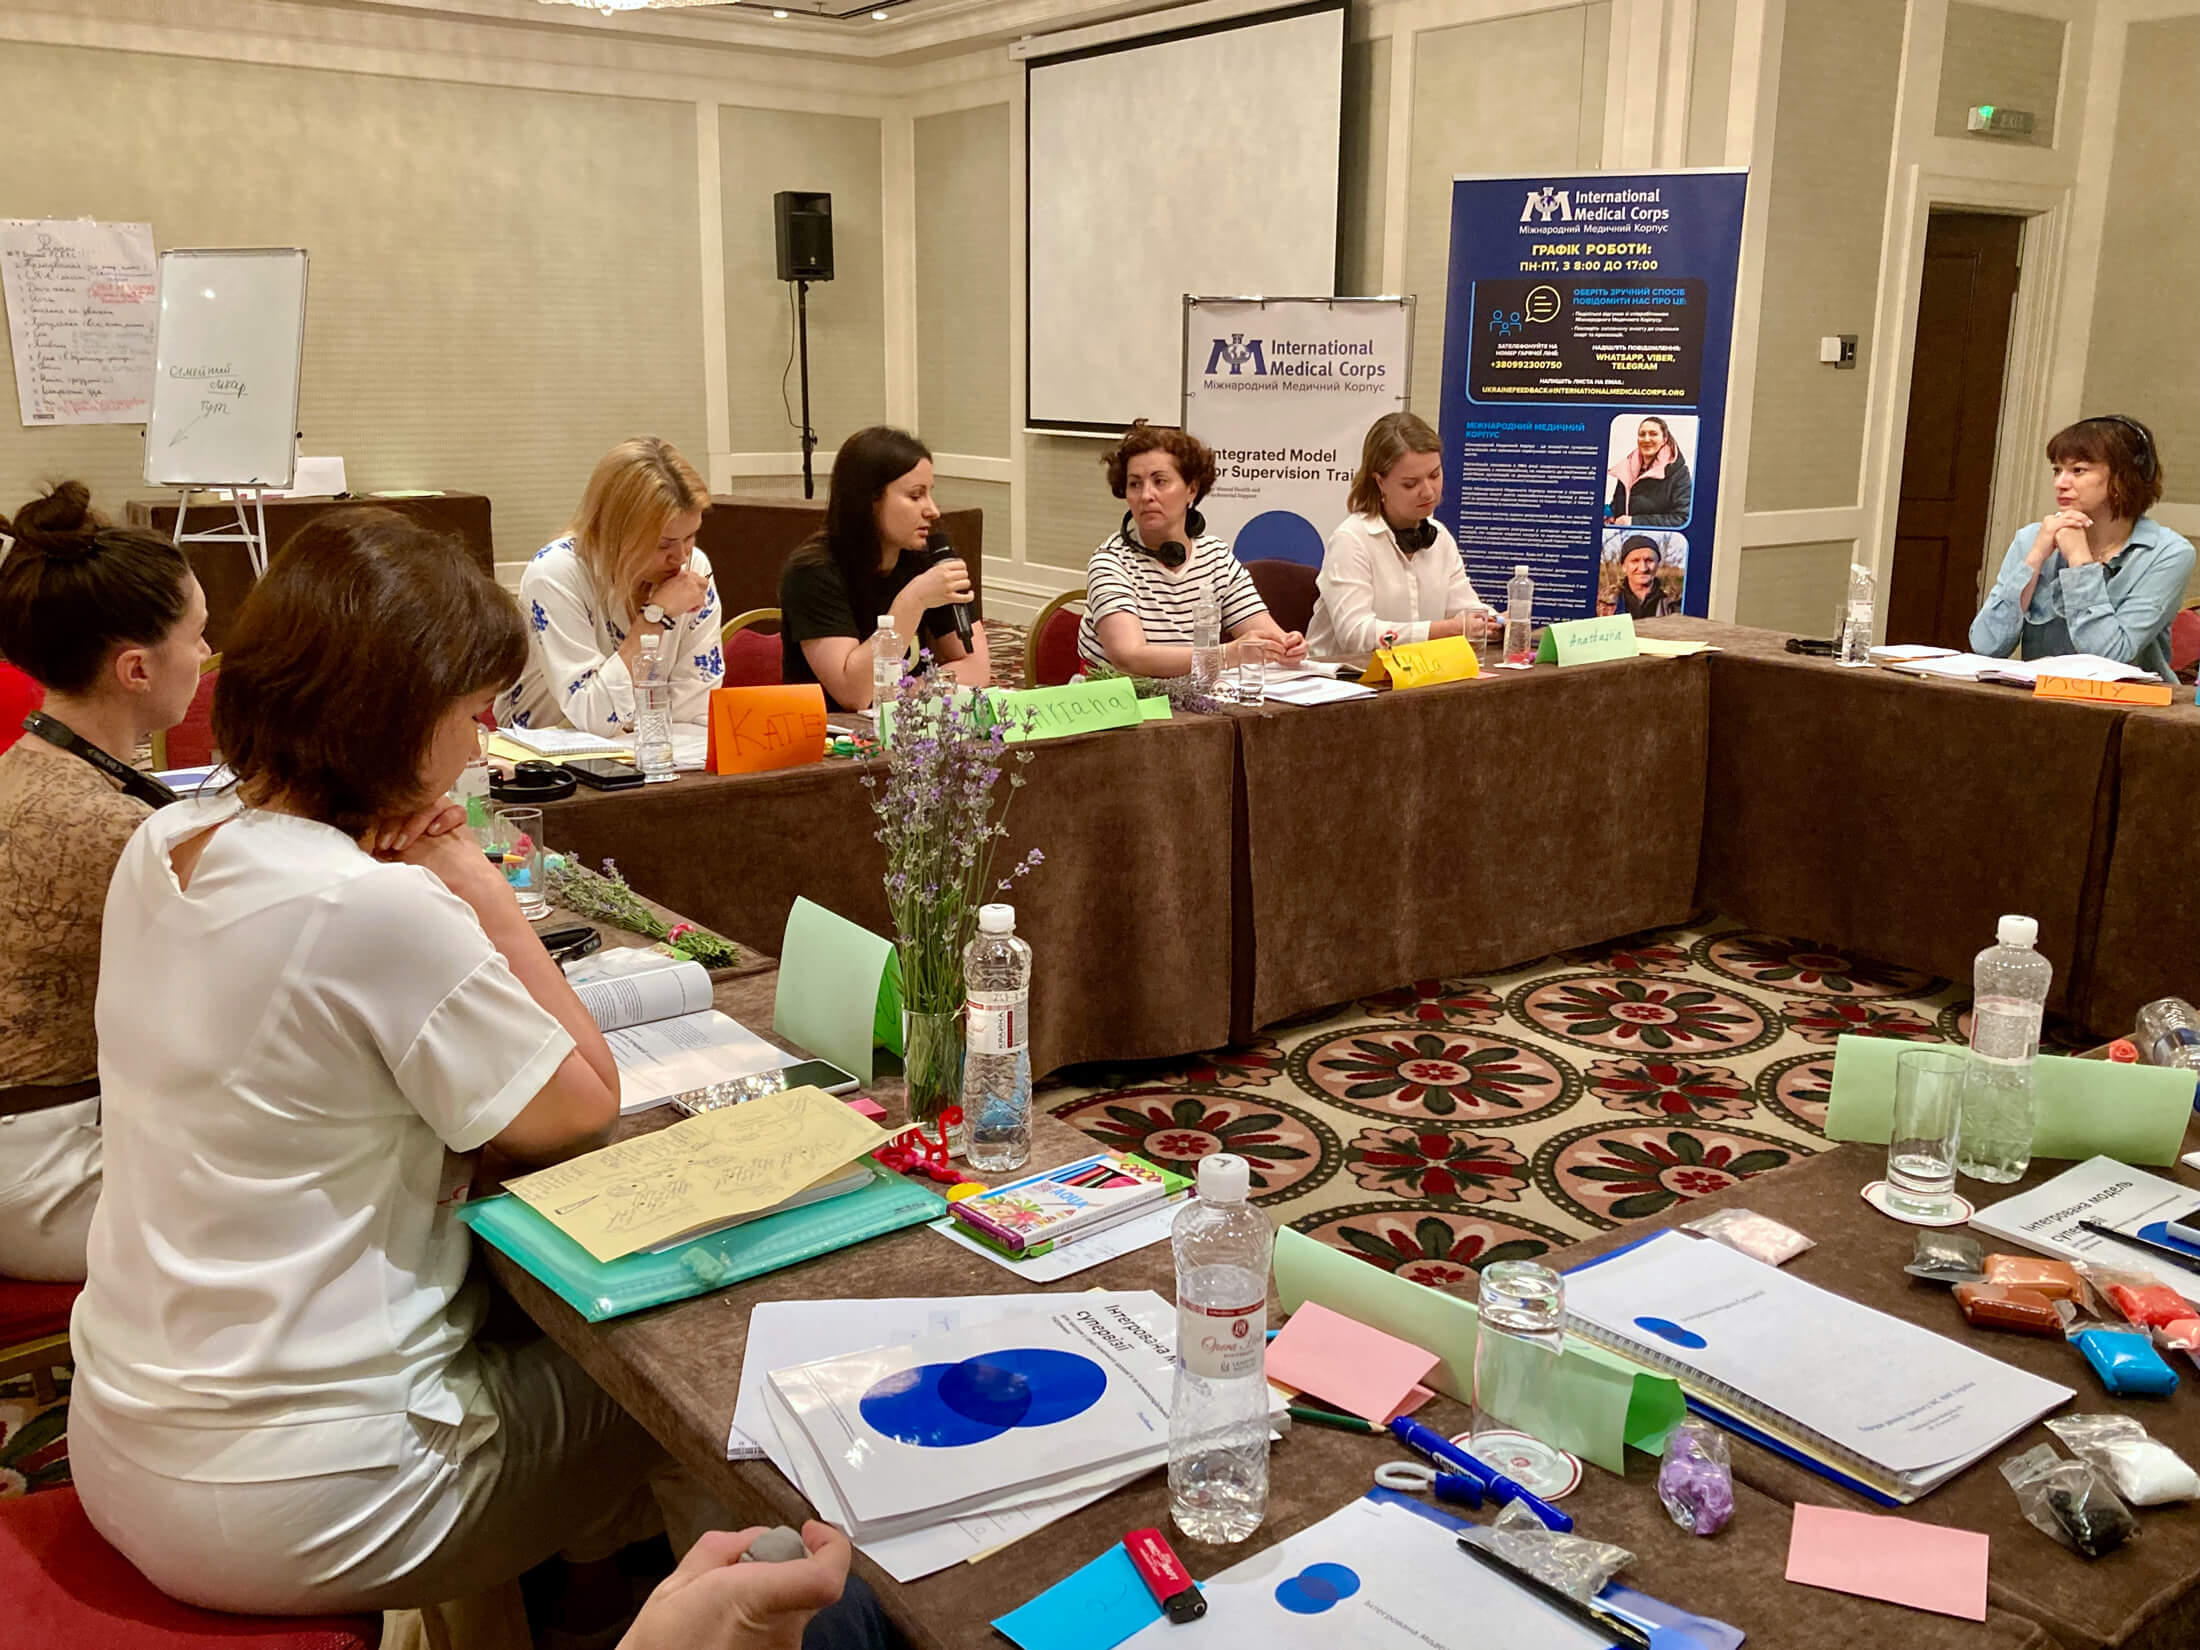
(1236, 350)
(1548, 205)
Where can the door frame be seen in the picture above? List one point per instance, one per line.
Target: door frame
(2021, 432)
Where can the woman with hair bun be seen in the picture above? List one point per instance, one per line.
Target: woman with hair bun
(112, 623)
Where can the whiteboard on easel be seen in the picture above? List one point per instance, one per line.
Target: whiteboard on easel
(226, 362)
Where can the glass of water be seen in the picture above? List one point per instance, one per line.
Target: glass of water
(1522, 1307)
(1921, 1144)
(521, 834)
(1252, 676)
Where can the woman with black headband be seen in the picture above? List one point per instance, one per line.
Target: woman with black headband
(1144, 585)
(2097, 575)
(113, 624)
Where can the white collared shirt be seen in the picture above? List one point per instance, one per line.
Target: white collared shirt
(294, 1051)
(1369, 587)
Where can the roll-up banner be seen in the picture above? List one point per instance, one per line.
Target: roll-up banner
(1586, 337)
(1283, 390)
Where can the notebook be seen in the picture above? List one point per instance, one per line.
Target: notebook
(655, 1012)
(1908, 1410)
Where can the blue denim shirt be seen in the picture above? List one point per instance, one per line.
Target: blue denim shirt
(2085, 609)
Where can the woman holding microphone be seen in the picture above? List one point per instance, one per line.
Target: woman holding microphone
(1391, 572)
(873, 558)
(1143, 586)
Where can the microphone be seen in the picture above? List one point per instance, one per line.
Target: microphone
(936, 541)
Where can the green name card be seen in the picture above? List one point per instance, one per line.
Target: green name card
(1586, 641)
(1155, 709)
(1075, 707)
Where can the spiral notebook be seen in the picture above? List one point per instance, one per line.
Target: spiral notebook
(1887, 1408)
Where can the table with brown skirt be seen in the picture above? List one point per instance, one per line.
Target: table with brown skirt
(2147, 944)
(1128, 917)
(2145, 1596)
(749, 536)
(677, 1369)
(225, 570)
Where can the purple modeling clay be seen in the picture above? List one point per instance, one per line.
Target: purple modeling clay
(1694, 1480)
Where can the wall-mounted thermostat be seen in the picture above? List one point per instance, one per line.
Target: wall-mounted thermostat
(1995, 121)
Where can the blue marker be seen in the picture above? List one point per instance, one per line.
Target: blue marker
(1435, 1447)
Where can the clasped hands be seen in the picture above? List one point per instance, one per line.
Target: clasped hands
(2062, 530)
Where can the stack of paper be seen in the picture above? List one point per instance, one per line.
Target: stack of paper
(2106, 1193)
(1311, 685)
(1977, 667)
(562, 742)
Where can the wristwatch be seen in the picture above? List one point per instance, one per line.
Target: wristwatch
(657, 616)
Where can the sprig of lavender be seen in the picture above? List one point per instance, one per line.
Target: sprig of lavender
(609, 898)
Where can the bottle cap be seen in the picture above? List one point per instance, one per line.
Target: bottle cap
(2017, 930)
(886, 621)
(1224, 1177)
(996, 919)
(1519, 567)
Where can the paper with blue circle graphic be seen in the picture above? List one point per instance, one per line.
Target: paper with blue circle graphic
(953, 1421)
(1375, 1576)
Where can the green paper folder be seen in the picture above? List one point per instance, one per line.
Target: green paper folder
(2086, 1108)
(599, 1290)
(839, 989)
(1598, 1404)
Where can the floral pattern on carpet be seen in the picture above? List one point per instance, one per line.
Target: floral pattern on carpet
(1439, 1126)
(34, 1446)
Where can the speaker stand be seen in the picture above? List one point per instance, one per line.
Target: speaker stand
(802, 343)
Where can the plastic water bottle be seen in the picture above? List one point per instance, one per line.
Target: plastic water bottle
(2009, 994)
(1855, 638)
(1520, 617)
(653, 712)
(2168, 1034)
(1218, 1414)
(996, 1091)
(1207, 646)
(889, 658)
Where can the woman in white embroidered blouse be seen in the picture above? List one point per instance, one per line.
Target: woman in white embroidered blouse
(627, 568)
(1391, 573)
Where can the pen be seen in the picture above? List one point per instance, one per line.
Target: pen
(1434, 1446)
(1621, 1632)
(1330, 1418)
(2189, 1262)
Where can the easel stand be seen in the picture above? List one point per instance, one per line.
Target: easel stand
(251, 532)
(802, 343)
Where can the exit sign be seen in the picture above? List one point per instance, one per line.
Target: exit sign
(1995, 121)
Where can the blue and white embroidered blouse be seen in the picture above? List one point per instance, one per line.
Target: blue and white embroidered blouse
(575, 677)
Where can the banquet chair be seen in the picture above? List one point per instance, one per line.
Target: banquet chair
(752, 653)
(1050, 647)
(2184, 643)
(19, 696)
(1288, 590)
(34, 1332)
(190, 743)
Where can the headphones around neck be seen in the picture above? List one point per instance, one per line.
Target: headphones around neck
(2144, 441)
(1419, 536)
(1170, 553)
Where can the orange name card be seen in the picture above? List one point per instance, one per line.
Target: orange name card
(2106, 693)
(754, 729)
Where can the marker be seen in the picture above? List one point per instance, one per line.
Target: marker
(1330, 1418)
(1165, 1576)
(1434, 1446)
(1622, 1632)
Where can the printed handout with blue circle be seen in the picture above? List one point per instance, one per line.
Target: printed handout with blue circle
(986, 1416)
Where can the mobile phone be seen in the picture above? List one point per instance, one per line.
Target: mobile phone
(821, 1074)
(599, 774)
(2185, 1228)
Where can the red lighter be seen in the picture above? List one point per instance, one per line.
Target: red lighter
(1165, 1576)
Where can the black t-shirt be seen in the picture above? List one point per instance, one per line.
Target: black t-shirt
(814, 603)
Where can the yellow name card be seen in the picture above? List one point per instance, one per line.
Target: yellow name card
(2103, 693)
(1421, 664)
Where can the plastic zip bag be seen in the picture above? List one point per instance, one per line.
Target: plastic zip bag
(2146, 1471)
(2072, 1501)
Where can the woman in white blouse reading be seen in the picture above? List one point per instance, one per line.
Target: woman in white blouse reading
(626, 569)
(319, 1002)
(1391, 573)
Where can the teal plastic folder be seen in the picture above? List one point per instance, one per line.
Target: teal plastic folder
(599, 1290)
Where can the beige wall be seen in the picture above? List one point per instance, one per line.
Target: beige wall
(1512, 94)
(1069, 509)
(962, 282)
(1793, 586)
(2001, 57)
(1834, 136)
(455, 320)
(2145, 353)
(1364, 176)
(1711, 67)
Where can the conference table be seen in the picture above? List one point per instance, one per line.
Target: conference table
(1212, 875)
(677, 1370)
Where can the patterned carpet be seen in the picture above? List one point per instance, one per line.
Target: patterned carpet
(1441, 1126)
(34, 1448)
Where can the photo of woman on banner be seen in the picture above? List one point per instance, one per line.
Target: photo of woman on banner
(1650, 481)
(1642, 575)
(1391, 573)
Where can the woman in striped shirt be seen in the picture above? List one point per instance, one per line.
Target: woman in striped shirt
(1143, 585)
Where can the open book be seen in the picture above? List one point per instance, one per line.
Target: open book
(656, 1015)
(1977, 667)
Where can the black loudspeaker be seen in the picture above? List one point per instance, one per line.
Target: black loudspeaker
(804, 224)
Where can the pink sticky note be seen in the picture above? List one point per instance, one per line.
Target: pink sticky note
(1898, 1559)
(1360, 1370)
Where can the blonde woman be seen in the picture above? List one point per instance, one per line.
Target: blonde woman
(627, 568)
(1391, 573)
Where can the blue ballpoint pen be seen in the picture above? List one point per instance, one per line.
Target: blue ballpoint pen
(1435, 1447)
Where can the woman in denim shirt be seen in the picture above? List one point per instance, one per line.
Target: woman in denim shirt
(2097, 576)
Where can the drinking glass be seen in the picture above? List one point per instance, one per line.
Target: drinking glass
(1252, 677)
(521, 838)
(1921, 1144)
(1516, 1347)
